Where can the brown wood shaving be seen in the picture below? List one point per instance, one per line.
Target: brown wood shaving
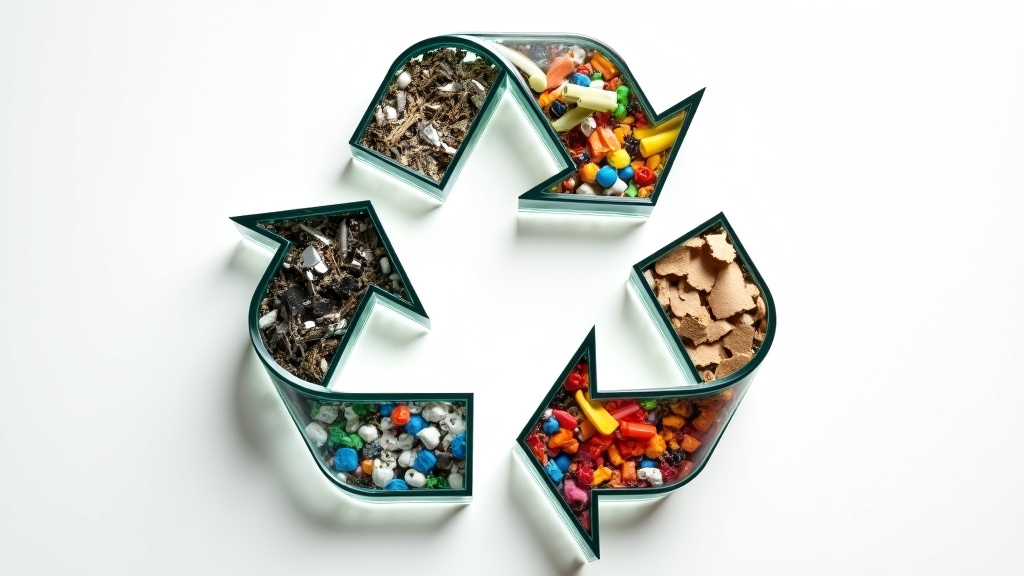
(675, 262)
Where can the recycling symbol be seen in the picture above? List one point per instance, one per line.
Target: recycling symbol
(332, 266)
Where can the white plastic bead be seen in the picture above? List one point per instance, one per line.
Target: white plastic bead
(453, 424)
(327, 414)
(316, 433)
(382, 475)
(406, 441)
(388, 441)
(430, 437)
(403, 79)
(652, 475)
(455, 480)
(406, 458)
(414, 478)
(434, 412)
(368, 433)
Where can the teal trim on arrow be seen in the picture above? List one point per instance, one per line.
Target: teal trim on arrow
(537, 199)
(738, 382)
(293, 389)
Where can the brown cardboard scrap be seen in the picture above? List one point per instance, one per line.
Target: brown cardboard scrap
(740, 340)
(706, 354)
(731, 365)
(729, 294)
(721, 248)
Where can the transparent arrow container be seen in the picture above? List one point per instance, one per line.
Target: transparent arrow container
(572, 189)
(688, 421)
(350, 434)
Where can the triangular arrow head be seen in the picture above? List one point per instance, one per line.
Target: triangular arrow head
(331, 266)
(583, 444)
(580, 98)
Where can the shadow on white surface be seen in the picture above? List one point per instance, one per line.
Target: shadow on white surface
(366, 182)
(596, 228)
(541, 520)
(268, 431)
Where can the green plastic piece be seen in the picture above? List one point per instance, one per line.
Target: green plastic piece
(361, 409)
(738, 382)
(649, 403)
(543, 197)
(631, 190)
(352, 441)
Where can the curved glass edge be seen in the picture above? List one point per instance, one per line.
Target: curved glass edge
(675, 345)
(291, 388)
(418, 181)
(538, 199)
(294, 401)
(738, 382)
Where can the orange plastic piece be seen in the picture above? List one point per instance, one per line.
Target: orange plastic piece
(690, 444)
(400, 415)
(627, 120)
(603, 65)
(725, 395)
(614, 457)
(684, 409)
(637, 164)
(616, 481)
(705, 420)
(638, 430)
(621, 132)
(630, 447)
(559, 70)
(645, 192)
(673, 421)
(655, 447)
(588, 172)
(629, 471)
(601, 142)
(654, 161)
(558, 439)
(586, 429)
(367, 466)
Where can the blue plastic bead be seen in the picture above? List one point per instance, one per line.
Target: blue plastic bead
(346, 460)
(385, 409)
(562, 461)
(550, 426)
(580, 79)
(626, 173)
(647, 463)
(606, 176)
(458, 447)
(396, 484)
(557, 108)
(425, 461)
(415, 424)
(553, 472)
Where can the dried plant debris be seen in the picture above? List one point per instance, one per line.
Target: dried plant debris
(310, 302)
(427, 110)
(714, 306)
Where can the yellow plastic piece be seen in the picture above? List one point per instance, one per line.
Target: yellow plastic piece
(538, 79)
(620, 133)
(658, 143)
(627, 120)
(601, 475)
(586, 430)
(587, 97)
(655, 447)
(673, 421)
(571, 119)
(684, 409)
(645, 192)
(672, 124)
(618, 159)
(588, 172)
(654, 162)
(595, 412)
(637, 164)
(614, 456)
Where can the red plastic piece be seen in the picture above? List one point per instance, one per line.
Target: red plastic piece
(596, 446)
(575, 382)
(638, 430)
(538, 447)
(643, 176)
(565, 420)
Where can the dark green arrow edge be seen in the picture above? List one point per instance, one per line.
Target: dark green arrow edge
(292, 388)
(537, 199)
(738, 382)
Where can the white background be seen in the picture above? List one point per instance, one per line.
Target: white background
(869, 157)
